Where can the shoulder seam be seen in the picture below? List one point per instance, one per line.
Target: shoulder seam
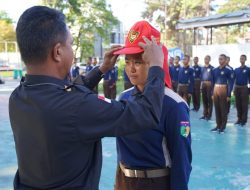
(174, 96)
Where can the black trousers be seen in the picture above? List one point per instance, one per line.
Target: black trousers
(241, 100)
(206, 91)
(197, 94)
(220, 105)
(127, 183)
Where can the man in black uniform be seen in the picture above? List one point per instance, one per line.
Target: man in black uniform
(58, 126)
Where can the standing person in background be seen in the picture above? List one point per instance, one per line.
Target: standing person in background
(231, 83)
(174, 73)
(207, 88)
(157, 159)
(171, 62)
(222, 77)
(186, 80)
(197, 85)
(95, 64)
(109, 83)
(242, 79)
(89, 66)
(127, 83)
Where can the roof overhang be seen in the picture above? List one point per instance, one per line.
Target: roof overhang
(238, 17)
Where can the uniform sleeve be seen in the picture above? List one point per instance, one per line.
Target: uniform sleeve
(179, 145)
(100, 117)
(232, 77)
(230, 82)
(91, 80)
(213, 79)
(191, 82)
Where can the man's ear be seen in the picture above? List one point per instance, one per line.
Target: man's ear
(57, 52)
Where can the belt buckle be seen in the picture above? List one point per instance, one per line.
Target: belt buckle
(140, 173)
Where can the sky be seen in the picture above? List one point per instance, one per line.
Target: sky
(127, 11)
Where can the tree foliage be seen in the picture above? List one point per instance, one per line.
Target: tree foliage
(7, 32)
(85, 19)
(235, 5)
(170, 12)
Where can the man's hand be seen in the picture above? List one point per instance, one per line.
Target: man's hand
(153, 53)
(212, 97)
(109, 59)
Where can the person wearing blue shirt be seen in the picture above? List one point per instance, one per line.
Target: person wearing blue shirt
(89, 66)
(174, 73)
(206, 88)
(157, 159)
(127, 83)
(222, 77)
(109, 83)
(171, 62)
(197, 85)
(242, 79)
(231, 83)
(186, 80)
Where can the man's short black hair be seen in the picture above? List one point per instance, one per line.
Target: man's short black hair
(187, 56)
(243, 55)
(38, 29)
(208, 57)
(178, 57)
(223, 55)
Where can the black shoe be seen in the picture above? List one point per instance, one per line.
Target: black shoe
(208, 118)
(214, 129)
(243, 124)
(203, 117)
(237, 123)
(221, 131)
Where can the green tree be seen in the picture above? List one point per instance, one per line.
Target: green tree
(85, 19)
(7, 32)
(234, 32)
(234, 5)
(172, 11)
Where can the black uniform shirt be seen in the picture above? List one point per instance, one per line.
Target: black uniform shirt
(58, 129)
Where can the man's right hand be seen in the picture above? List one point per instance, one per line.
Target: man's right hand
(153, 53)
(109, 59)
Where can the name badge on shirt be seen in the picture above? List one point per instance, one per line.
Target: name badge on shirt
(244, 71)
(197, 69)
(208, 70)
(222, 72)
(186, 72)
(177, 69)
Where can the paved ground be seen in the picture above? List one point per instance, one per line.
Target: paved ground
(219, 161)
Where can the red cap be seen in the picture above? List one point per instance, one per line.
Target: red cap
(138, 30)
